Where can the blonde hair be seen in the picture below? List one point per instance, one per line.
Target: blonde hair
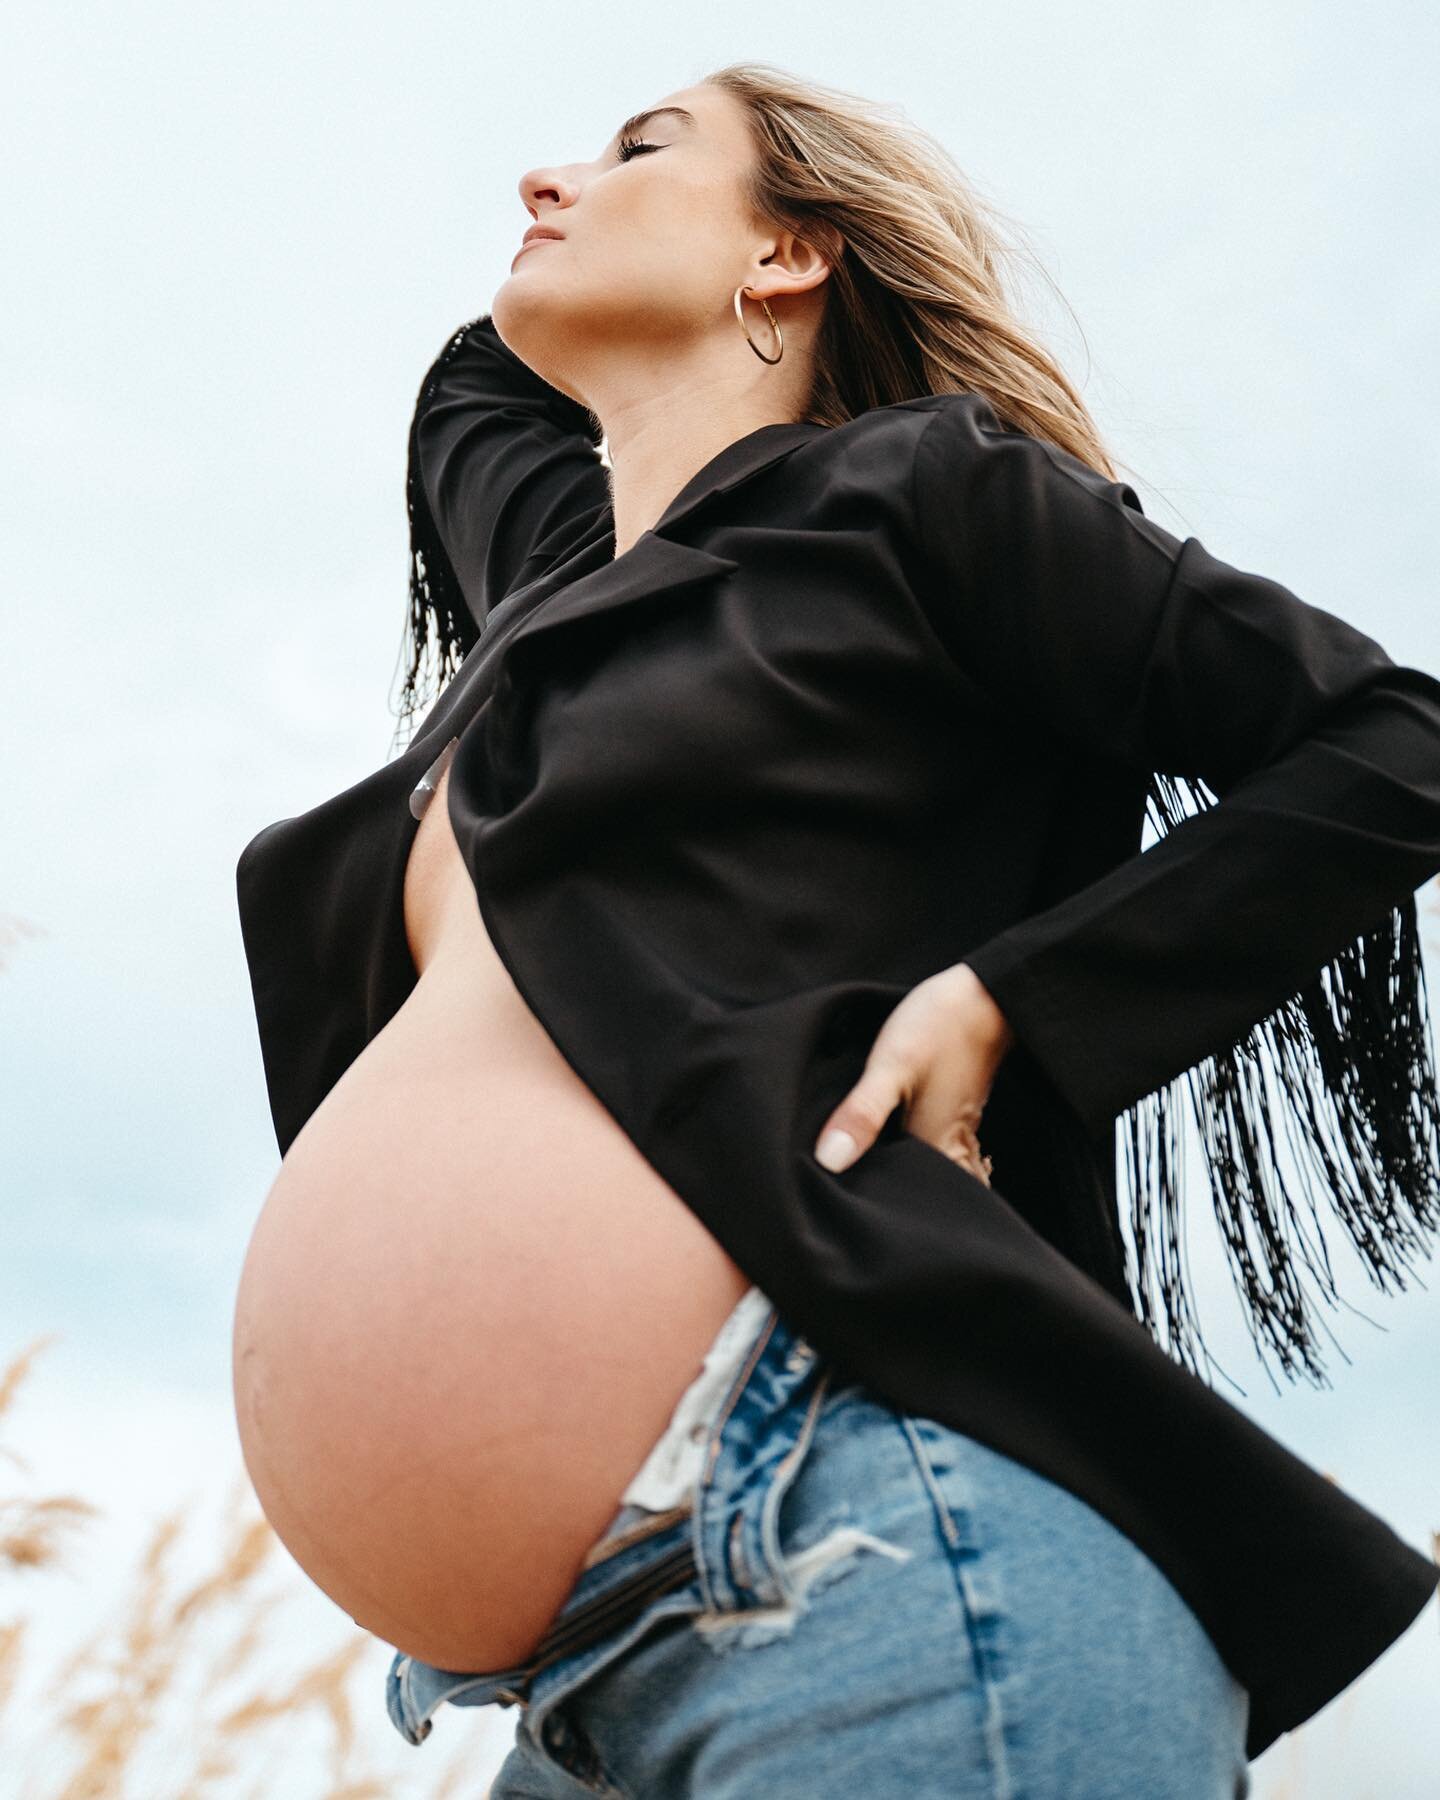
(917, 298)
(916, 302)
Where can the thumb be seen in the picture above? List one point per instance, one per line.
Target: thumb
(855, 1123)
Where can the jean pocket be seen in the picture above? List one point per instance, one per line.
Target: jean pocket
(563, 1741)
(809, 1531)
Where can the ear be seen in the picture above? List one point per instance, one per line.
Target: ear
(792, 265)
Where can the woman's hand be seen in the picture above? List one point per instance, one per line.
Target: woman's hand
(938, 1052)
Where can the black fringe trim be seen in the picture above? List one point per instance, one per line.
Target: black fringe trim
(1352, 1052)
(440, 628)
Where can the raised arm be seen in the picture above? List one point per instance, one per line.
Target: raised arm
(1108, 633)
(499, 464)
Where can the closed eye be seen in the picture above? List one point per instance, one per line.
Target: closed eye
(629, 147)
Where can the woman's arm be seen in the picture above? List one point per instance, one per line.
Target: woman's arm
(498, 461)
(1104, 631)
(1269, 942)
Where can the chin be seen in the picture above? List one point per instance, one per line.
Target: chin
(534, 319)
(525, 315)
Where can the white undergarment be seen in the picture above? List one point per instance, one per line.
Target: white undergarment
(673, 1466)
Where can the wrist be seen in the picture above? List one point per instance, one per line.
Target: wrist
(991, 1024)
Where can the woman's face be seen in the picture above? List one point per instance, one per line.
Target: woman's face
(654, 239)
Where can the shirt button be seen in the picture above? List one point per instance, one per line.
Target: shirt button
(697, 1433)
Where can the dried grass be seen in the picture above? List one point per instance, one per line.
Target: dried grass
(114, 1697)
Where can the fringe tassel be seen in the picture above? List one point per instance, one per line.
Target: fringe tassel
(1352, 1052)
(439, 621)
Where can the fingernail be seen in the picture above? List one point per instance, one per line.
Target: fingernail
(836, 1150)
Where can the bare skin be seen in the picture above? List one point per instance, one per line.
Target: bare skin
(468, 1309)
(470, 1305)
(631, 311)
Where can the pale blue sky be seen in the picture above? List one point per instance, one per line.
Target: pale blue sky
(237, 238)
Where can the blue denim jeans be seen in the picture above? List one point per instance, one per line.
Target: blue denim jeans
(856, 1600)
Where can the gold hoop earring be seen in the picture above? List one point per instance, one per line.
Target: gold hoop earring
(774, 326)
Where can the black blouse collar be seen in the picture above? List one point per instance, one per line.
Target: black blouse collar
(737, 462)
(589, 579)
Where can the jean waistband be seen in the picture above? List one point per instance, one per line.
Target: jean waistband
(722, 1541)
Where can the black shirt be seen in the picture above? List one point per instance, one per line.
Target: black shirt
(867, 701)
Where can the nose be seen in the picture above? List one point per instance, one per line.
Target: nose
(550, 187)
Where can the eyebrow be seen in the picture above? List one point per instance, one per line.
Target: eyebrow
(638, 121)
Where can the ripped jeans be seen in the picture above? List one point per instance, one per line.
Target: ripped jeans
(858, 1600)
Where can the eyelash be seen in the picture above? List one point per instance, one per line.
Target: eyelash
(628, 147)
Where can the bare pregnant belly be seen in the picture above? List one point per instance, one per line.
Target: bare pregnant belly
(467, 1311)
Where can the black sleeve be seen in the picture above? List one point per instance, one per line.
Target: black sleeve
(1113, 635)
(1261, 963)
(499, 460)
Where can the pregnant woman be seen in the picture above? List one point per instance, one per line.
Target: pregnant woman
(636, 1332)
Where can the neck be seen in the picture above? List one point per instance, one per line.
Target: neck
(690, 405)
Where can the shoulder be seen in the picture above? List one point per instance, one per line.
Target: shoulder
(874, 451)
(947, 462)
(966, 455)
(900, 421)
(940, 436)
